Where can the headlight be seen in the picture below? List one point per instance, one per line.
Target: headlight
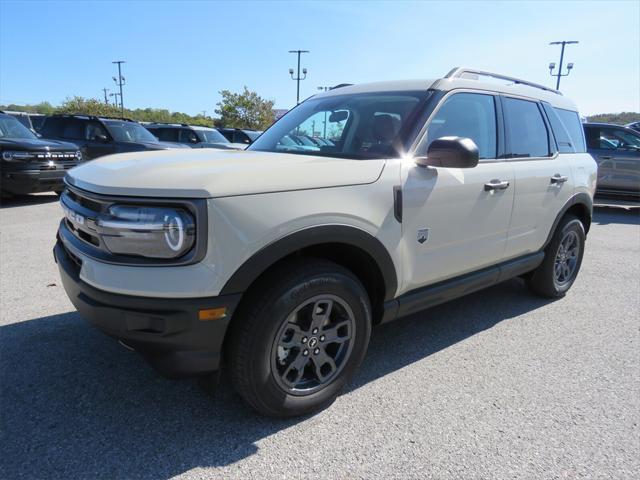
(153, 232)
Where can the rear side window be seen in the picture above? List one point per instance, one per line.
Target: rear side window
(526, 131)
(72, 129)
(166, 134)
(571, 121)
(470, 115)
(563, 139)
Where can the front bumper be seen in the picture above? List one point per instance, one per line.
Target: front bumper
(21, 182)
(167, 332)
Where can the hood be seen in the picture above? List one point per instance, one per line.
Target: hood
(169, 145)
(205, 173)
(36, 145)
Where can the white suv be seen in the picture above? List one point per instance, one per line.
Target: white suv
(275, 262)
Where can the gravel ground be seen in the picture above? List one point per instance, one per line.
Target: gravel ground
(499, 384)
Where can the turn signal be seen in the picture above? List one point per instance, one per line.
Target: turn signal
(212, 313)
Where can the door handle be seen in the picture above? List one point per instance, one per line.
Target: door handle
(559, 179)
(496, 185)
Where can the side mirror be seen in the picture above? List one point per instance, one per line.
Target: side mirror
(450, 152)
(101, 138)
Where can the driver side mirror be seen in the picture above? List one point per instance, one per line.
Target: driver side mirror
(450, 152)
(99, 137)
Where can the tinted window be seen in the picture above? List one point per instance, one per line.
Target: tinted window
(123, 131)
(188, 136)
(369, 124)
(94, 131)
(12, 128)
(467, 115)
(72, 128)
(211, 136)
(571, 121)
(608, 138)
(526, 129)
(565, 144)
(228, 134)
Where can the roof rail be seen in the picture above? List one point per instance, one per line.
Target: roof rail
(468, 73)
(93, 117)
(340, 85)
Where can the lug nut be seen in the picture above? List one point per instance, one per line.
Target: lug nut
(315, 330)
(322, 338)
(304, 339)
(305, 352)
(316, 351)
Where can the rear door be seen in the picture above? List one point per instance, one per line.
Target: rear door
(455, 220)
(543, 182)
(617, 152)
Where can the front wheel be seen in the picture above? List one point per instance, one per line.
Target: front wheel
(302, 334)
(562, 261)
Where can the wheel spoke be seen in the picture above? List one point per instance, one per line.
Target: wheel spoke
(338, 333)
(323, 365)
(292, 337)
(321, 313)
(297, 365)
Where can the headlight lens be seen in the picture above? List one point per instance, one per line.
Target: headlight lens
(153, 232)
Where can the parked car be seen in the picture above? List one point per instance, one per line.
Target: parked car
(616, 150)
(33, 121)
(238, 135)
(634, 126)
(277, 263)
(99, 136)
(193, 136)
(29, 164)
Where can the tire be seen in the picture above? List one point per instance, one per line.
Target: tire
(274, 327)
(560, 267)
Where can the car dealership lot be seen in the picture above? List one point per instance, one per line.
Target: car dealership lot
(497, 384)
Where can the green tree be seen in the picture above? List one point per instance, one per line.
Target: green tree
(617, 118)
(88, 106)
(244, 110)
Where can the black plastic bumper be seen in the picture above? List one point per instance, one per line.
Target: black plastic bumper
(32, 181)
(167, 332)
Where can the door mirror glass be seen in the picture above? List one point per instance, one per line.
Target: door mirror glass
(451, 152)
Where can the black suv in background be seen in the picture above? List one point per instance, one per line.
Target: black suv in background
(193, 136)
(238, 135)
(98, 136)
(29, 164)
(33, 121)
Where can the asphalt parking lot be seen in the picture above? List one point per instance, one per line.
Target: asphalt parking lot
(499, 384)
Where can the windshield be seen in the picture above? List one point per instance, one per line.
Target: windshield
(12, 128)
(359, 126)
(211, 136)
(123, 131)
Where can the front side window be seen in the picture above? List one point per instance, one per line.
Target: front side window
(211, 136)
(12, 128)
(468, 115)
(356, 126)
(606, 138)
(526, 130)
(95, 131)
(123, 131)
(188, 136)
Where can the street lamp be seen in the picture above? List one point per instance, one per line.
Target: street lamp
(297, 78)
(552, 65)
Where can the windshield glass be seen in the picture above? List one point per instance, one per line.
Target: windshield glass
(358, 126)
(123, 131)
(12, 128)
(212, 136)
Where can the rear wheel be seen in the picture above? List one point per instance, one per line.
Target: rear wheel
(562, 261)
(302, 335)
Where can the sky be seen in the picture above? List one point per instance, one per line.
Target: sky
(180, 54)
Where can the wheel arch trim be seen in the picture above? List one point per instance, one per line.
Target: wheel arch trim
(581, 199)
(351, 236)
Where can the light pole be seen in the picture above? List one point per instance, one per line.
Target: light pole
(324, 135)
(106, 100)
(553, 65)
(297, 78)
(115, 98)
(120, 82)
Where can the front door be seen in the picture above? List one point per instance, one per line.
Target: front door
(456, 220)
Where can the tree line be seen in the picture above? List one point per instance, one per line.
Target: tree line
(235, 110)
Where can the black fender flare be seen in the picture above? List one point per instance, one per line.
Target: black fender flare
(264, 258)
(581, 198)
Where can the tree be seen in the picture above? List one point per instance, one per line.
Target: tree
(88, 106)
(245, 110)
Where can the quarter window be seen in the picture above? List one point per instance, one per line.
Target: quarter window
(526, 130)
(571, 122)
(469, 115)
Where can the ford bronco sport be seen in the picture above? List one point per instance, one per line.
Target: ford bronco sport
(275, 262)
